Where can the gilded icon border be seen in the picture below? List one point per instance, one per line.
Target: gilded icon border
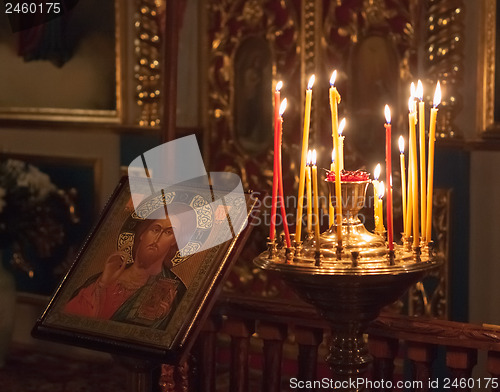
(201, 274)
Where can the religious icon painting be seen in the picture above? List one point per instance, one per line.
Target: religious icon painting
(147, 276)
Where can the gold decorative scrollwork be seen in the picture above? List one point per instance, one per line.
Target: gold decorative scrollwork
(444, 49)
(271, 23)
(147, 69)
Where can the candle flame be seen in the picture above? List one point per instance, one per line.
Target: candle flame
(376, 173)
(420, 90)
(279, 85)
(412, 90)
(311, 82)
(341, 127)
(387, 112)
(313, 157)
(381, 190)
(282, 107)
(401, 144)
(332, 79)
(437, 95)
(411, 107)
(309, 157)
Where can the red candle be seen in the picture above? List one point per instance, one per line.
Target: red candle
(277, 124)
(280, 176)
(388, 171)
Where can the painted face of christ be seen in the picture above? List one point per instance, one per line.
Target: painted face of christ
(155, 243)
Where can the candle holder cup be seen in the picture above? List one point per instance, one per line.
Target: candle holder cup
(355, 237)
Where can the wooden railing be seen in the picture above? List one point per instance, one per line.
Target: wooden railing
(290, 340)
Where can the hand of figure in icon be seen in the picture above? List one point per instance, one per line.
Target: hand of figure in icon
(114, 266)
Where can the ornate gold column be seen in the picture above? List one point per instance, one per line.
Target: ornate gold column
(444, 51)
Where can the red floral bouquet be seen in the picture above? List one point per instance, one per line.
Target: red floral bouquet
(348, 176)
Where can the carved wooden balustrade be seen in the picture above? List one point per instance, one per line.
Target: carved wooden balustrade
(239, 325)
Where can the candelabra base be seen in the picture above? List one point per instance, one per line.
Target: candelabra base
(348, 274)
(349, 298)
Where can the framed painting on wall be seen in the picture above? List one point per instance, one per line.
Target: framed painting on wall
(66, 69)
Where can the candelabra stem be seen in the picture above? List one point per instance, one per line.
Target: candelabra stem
(317, 257)
(298, 248)
(391, 257)
(418, 253)
(349, 358)
(272, 248)
(339, 251)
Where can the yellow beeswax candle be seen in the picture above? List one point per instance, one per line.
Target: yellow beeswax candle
(334, 101)
(309, 191)
(430, 183)
(302, 173)
(331, 210)
(421, 127)
(380, 208)
(375, 183)
(316, 200)
(341, 143)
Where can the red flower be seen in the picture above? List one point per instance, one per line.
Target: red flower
(348, 176)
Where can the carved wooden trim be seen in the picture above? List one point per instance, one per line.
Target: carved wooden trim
(418, 329)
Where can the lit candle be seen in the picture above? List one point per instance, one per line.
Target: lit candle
(388, 175)
(302, 173)
(380, 212)
(421, 129)
(341, 144)
(280, 182)
(403, 179)
(274, 198)
(334, 100)
(409, 205)
(413, 93)
(414, 179)
(375, 183)
(331, 210)
(309, 191)
(316, 199)
(430, 183)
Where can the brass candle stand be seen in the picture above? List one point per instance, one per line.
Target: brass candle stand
(349, 285)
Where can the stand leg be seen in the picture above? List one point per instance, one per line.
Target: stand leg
(140, 377)
(349, 358)
(140, 381)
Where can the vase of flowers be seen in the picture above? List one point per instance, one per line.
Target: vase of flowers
(32, 215)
